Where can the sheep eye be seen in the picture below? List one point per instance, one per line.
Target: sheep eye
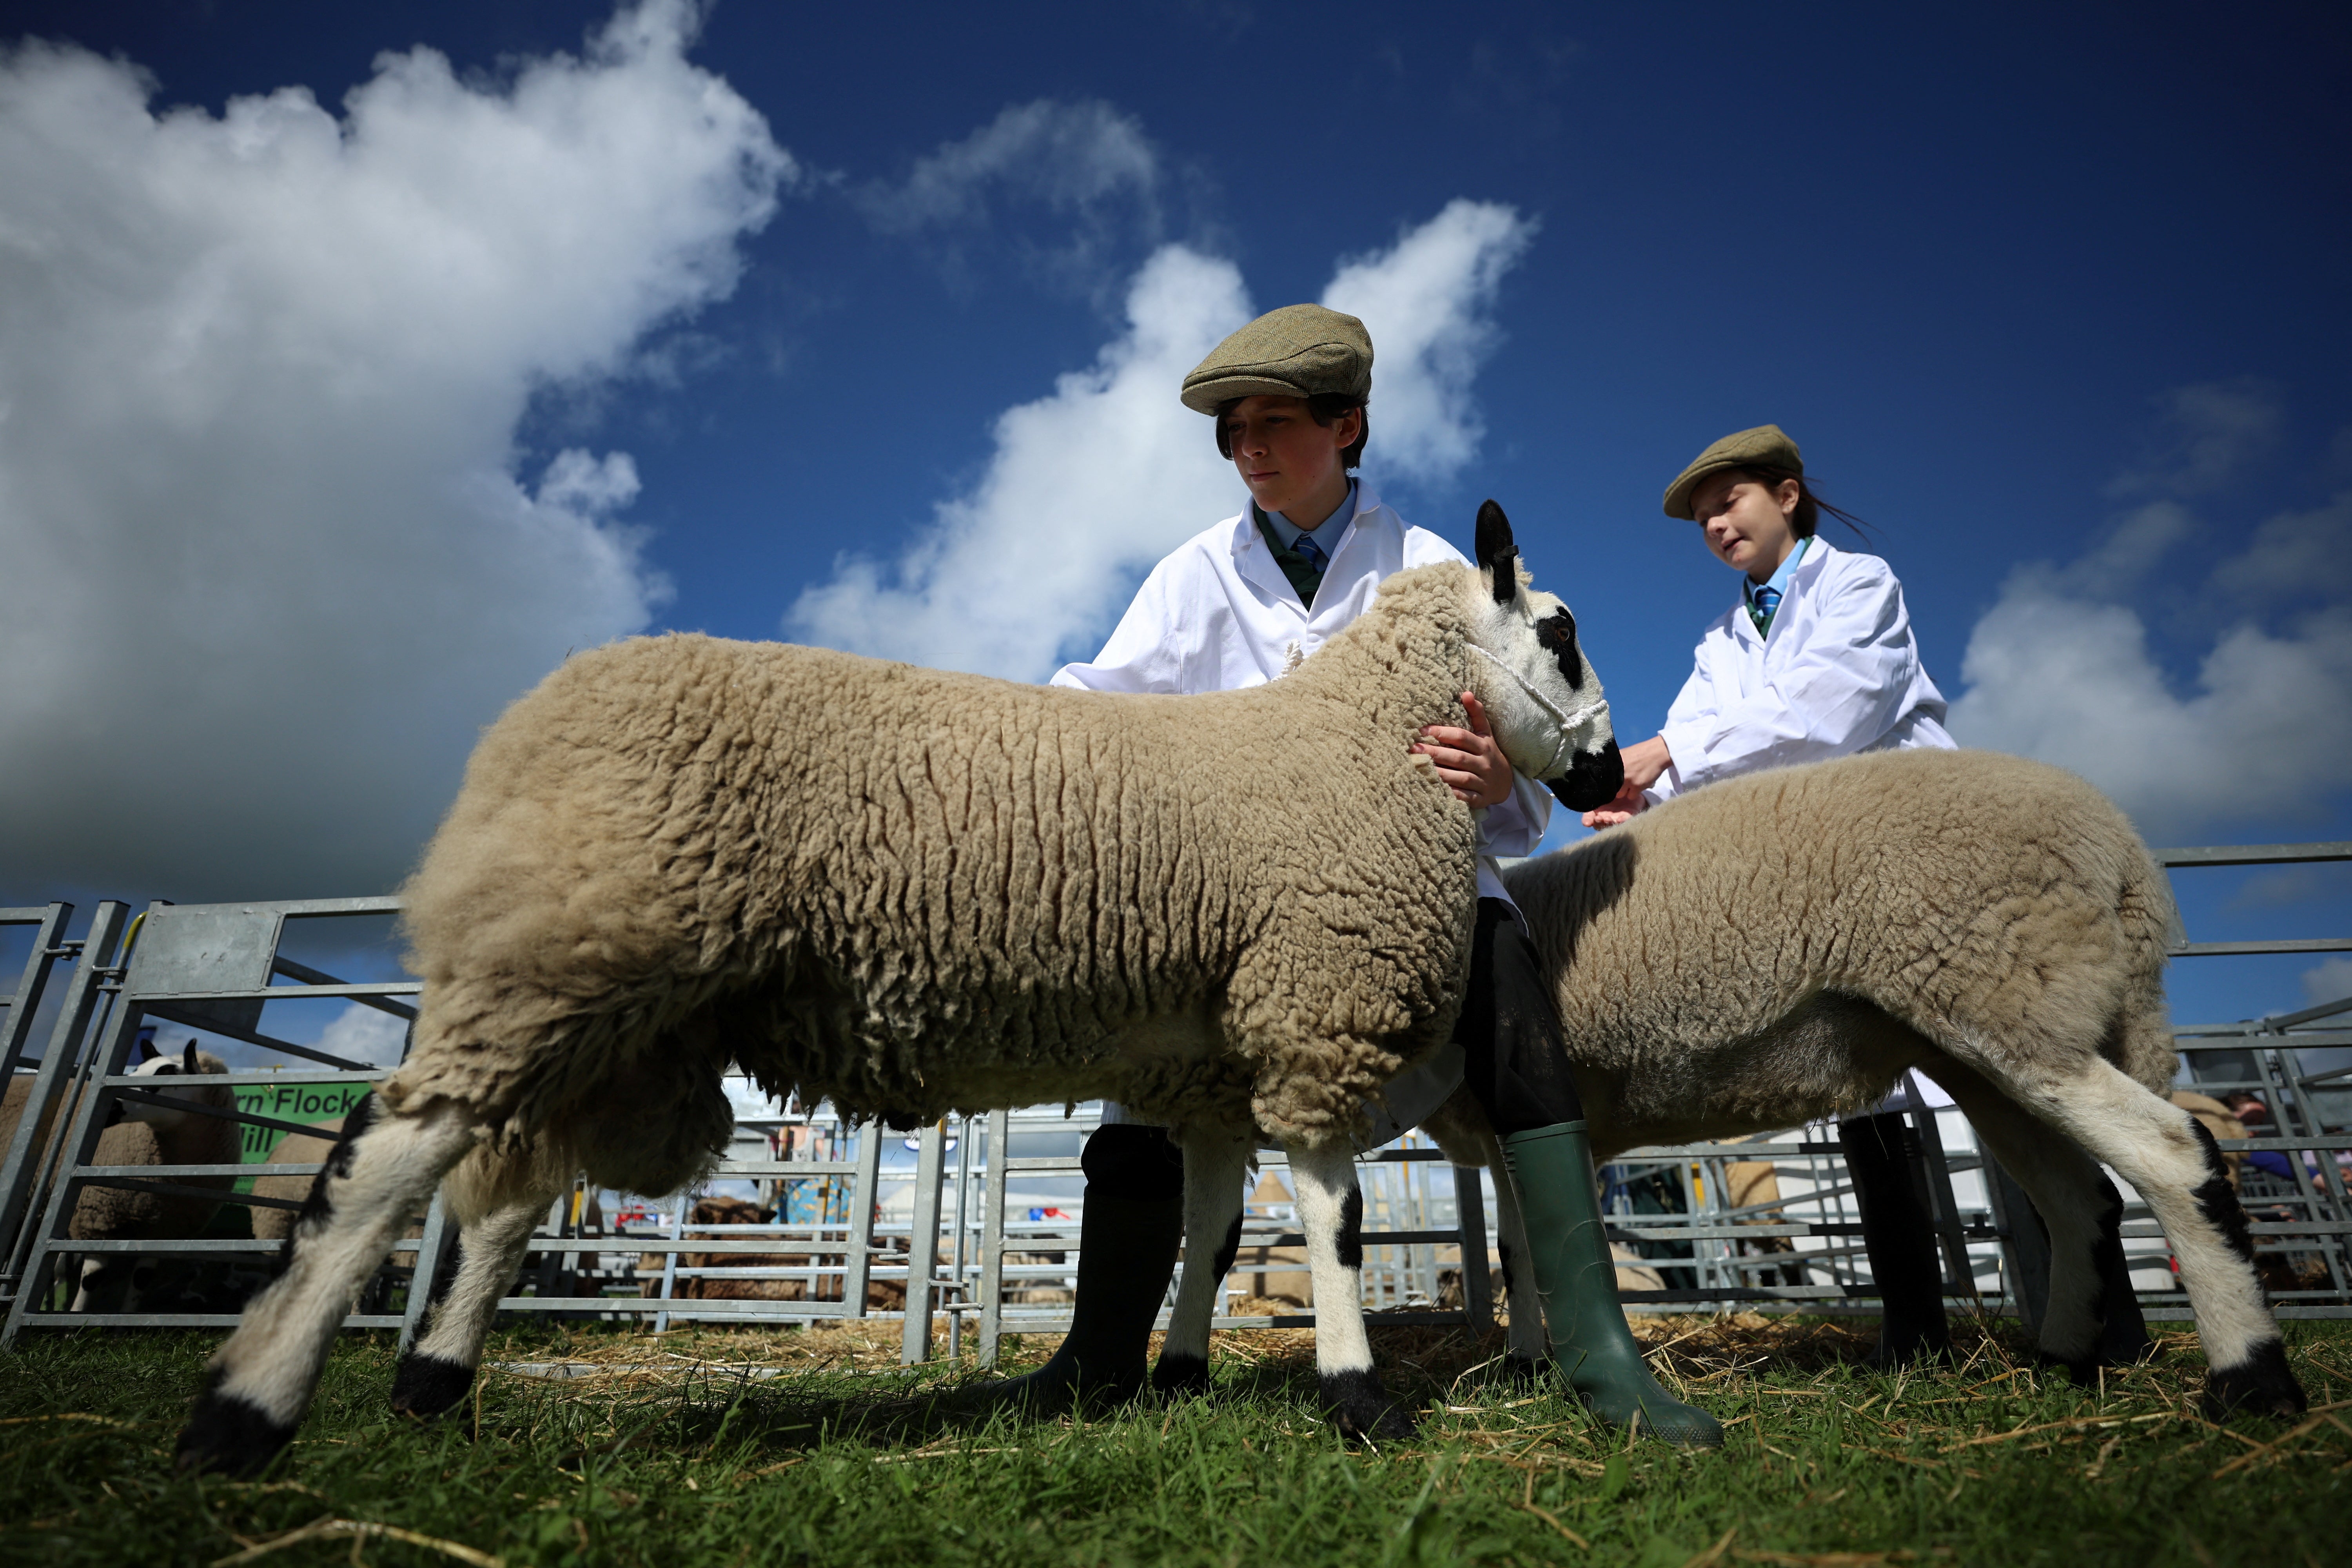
(1558, 633)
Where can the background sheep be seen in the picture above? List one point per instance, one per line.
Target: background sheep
(886, 1295)
(151, 1134)
(1777, 949)
(914, 892)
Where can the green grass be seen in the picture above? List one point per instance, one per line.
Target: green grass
(693, 1465)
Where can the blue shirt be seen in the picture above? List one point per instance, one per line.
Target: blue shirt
(1326, 533)
(1777, 582)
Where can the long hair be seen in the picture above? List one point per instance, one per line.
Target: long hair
(1806, 521)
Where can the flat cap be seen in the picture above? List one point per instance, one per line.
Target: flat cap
(1767, 446)
(1298, 351)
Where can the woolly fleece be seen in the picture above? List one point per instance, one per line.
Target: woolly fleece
(915, 893)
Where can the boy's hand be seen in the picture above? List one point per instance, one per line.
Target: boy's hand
(1647, 763)
(1470, 763)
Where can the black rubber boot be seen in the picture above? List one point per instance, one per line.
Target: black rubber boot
(1129, 1233)
(1567, 1246)
(1899, 1234)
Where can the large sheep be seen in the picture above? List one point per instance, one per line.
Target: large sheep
(913, 893)
(1777, 949)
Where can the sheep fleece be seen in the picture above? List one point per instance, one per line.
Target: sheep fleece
(1703, 954)
(915, 891)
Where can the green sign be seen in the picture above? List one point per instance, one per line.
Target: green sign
(304, 1102)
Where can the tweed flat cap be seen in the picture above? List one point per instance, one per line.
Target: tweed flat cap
(1768, 445)
(1295, 352)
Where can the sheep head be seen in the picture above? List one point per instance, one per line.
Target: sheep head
(191, 1062)
(1542, 696)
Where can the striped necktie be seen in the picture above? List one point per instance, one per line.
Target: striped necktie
(1313, 552)
(1762, 602)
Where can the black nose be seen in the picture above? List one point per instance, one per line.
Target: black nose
(1592, 780)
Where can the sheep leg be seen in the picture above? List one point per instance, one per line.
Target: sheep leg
(1529, 1342)
(2171, 1160)
(2078, 1205)
(1214, 1163)
(439, 1367)
(1331, 1209)
(380, 1170)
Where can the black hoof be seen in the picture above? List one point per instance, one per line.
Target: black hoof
(1901, 1346)
(2259, 1385)
(228, 1437)
(1520, 1372)
(1361, 1409)
(1179, 1376)
(2082, 1369)
(426, 1385)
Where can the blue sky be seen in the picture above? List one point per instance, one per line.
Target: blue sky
(339, 425)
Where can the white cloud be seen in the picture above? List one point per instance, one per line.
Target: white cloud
(1086, 164)
(367, 1034)
(1034, 564)
(2204, 434)
(1427, 302)
(1065, 156)
(1047, 544)
(2293, 555)
(2263, 733)
(2328, 981)
(272, 557)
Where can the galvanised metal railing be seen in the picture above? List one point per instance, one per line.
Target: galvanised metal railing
(1767, 1221)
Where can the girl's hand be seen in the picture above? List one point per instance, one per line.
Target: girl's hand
(1470, 763)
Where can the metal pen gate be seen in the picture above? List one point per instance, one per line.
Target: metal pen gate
(955, 1231)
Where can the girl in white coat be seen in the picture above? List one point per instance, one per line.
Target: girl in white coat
(1816, 661)
(1232, 606)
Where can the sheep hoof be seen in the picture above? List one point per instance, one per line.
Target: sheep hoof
(1181, 1376)
(2259, 1385)
(228, 1435)
(1521, 1372)
(426, 1385)
(1361, 1408)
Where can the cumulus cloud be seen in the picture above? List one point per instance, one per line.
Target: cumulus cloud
(1065, 156)
(1033, 564)
(2328, 982)
(367, 1034)
(1086, 164)
(272, 554)
(1428, 303)
(2203, 435)
(1046, 545)
(2262, 731)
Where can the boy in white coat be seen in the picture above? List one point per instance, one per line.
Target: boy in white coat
(1234, 606)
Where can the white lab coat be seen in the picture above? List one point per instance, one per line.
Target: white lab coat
(1217, 615)
(1838, 674)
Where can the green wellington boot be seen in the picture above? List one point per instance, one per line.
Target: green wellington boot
(1567, 1252)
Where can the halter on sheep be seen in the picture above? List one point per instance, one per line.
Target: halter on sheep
(1003, 895)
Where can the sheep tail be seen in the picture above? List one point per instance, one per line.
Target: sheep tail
(2140, 1041)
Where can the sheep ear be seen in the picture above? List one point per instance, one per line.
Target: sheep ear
(146, 1051)
(188, 1061)
(1496, 551)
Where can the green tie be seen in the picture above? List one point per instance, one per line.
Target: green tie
(1304, 575)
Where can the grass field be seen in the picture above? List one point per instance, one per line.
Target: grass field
(674, 1453)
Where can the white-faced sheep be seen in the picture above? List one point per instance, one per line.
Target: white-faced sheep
(913, 893)
(1777, 949)
(154, 1133)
